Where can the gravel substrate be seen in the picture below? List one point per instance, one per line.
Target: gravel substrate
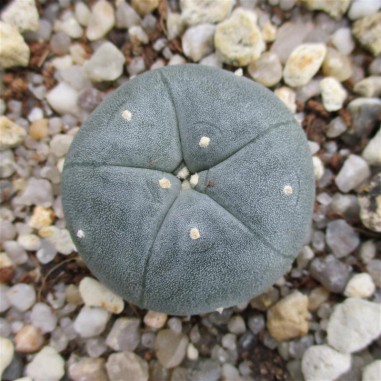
(321, 321)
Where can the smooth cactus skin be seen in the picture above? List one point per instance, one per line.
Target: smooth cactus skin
(189, 251)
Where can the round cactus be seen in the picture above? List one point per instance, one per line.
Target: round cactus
(189, 189)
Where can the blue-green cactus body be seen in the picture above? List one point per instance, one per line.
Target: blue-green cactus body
(217, 244)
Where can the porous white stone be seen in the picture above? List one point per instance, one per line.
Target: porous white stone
(353, 325)
(320, 362)
(46, 365)
(303, 63)
(238, 40)
(95, 294)
(333, 94)
(106, 64)
(11, 134)
(360, 286)
(354, 171)
(201, 11)
(101, 20)
(13, 49)
(22, 14)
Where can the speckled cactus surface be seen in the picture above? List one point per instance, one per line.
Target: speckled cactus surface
(189, 189)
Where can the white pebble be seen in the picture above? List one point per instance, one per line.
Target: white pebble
(46, 365)
(372, 151)
(194, 180)
(29, 242)
(21, 296)
(288, 97)
(6, 354)
(303, 63)
(43, 317)
(95, 294)
(82, 13)
(318, 167)
(360, 286)
(343, 41)
(333, 94)
(354, 171)
(192, 352)
(63, 99)
(363, 8)
(91, 321)
(101, 20)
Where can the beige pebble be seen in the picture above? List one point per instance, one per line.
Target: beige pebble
(38, 129)
(155, 320)
(29, 339)
(41, 217)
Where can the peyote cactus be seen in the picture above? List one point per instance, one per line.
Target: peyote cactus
(178, 246)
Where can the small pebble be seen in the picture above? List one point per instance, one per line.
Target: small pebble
(59, 238)
(14, 50)
(91, 321)
(288, 318)
(337, 65)
(361, 8)
(170, 348)
(372, 151)
(360, 286)
(267, 69)
(22, 14)
(82, 13)
(88, 369)
(124, 335)
(372, 371)
(317, 297)
(343, 41)
(336, 127)
(106, 64)
(287, 96)
(336, 9)
(353, 325)
(238, 40)
(43, 317)
(101, 20)
(46, 365)
(320, 362)
(155, 320)
(198, 41)
(303, 63)
(237, 325)
(11, 134)
(367, 30)
(29, 339)
(119, 365)
(330, 272)
(63, 99)
(138, 35)
(341, 238)
(144, 7)
(7, 351)
(354, 172)
(126, 16)
(200, 12)
(21, 296)
(95, 294)
(333, 94)
(60, 43)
